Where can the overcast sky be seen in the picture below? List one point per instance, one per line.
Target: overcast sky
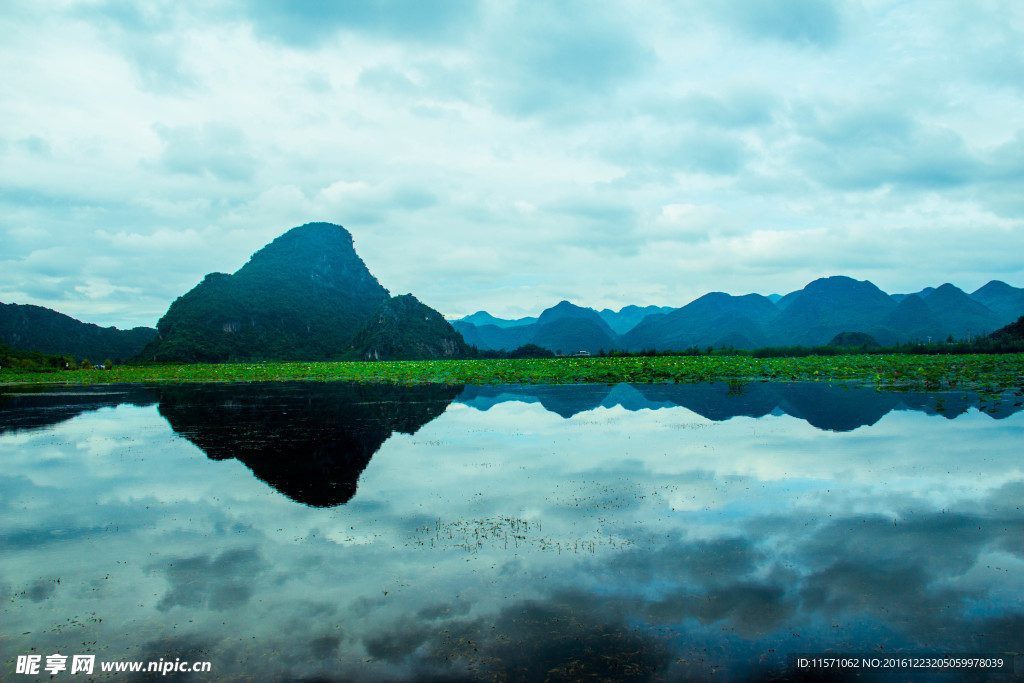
(504, 156)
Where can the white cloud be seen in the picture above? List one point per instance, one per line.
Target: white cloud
(185, 136)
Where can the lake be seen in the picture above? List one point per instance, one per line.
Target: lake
(305, 531)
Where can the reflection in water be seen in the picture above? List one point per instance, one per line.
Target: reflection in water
(514, 533)
(822, 405)
(37, 407)
(310, 442)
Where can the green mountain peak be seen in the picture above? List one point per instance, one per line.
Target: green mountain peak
(304, 296)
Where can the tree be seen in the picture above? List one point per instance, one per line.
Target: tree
(531, 351)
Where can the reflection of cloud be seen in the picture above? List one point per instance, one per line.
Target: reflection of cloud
(220, 582)
(444, 611)
(711, 562)
(183, 648)
(709, 542)
(567, 636)
(41, 589)
(396, 645)
(915, 576)
(752, 609)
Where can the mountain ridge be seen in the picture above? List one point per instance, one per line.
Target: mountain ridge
(307, 295)
(810, 316)
(35, 328)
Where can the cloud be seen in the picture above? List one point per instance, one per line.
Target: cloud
(864, 149)
(219, 150)
(153, 38)
(538, 64)
(35, 145)
(678, 150)
(738, 109)
(552, 137)
(308, 23)
(815, 23)
(386, 80)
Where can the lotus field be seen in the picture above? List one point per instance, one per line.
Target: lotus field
(989, 372)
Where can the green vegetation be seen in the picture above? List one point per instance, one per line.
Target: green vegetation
(854, 340)
(402, 328)
(983, 372)
(304, 295)
(18, 361)
(1012, 333)
(34, 328)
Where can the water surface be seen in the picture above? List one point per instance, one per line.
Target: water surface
(648, 532)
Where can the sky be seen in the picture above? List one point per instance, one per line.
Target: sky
(504, 156)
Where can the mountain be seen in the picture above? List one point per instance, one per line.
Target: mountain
(34, 328)
(828, 306)
(614, 322)
(911, 319)
(490, 337)
(564, 309)
(714, 319)
(1012, 332)
(481, 318)
(402, 328)
(571, 335)
(304, 296)
(628, 317)
(922, 294)
(564, 328)
(960, 314)
(783, 302)
(1005, 301)
(817, 314)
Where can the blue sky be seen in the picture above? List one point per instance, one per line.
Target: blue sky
(504, 156)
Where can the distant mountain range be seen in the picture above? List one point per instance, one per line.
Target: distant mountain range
(308, 296)
(811, 316)
(34, 328)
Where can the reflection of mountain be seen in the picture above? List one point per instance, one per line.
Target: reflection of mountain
(44, 406)
(563, 399)
(821, 405)
(309, 441)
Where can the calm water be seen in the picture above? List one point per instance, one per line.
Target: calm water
(337, 532)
